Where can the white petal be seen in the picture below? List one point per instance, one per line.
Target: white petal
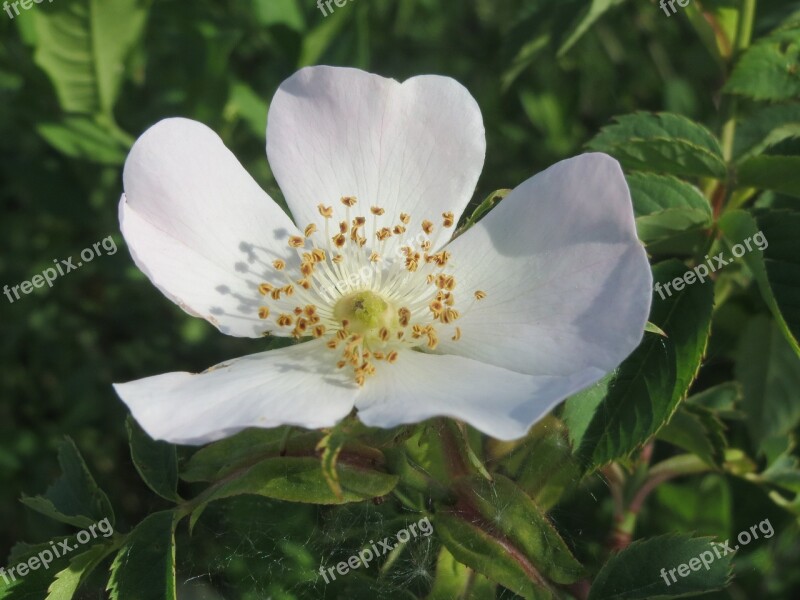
(416, 147)
(200, 227)
(498, 402)
(568, 284)
(299, 385)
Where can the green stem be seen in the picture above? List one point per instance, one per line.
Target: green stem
(744, 34)
(677, 466)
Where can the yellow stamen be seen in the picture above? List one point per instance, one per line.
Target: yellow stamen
(405, 316)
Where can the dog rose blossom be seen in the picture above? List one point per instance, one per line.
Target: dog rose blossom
(393, 317)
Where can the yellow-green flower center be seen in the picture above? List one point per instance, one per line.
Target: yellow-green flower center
(342, 261)
(366, 313)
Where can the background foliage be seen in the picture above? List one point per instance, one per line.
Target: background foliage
(694, 436)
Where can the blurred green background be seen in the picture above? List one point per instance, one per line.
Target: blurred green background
(80, 79)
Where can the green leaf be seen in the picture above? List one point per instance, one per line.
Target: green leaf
(57, 572)
(217, 460)
(769, 372)
(768, 172)
(544, 466)
(781, 229)
(82, 45)
(484, 207)
(686, 318)
(584, 21)
(638, 402)
(331, 446)
(525, 57)
(636, 572)
(653, 328)
(699, 431)
(464, 446)
(74, 498)
(300, 479)
(496, 529)
(491, 558)
(665, 205)
(656, 193)
(721, 399)
(580, 409)
(246, 104)
(318, 40)
(776, 268)
(280, 12)
(156, 462)
(69, 580)
(715, 22)
(662, 142)
(705, 504)
(455, 580)
(87, 138)
(144, 568)
(651, 382)
(784, 472)
(420, 465)
(765, 127)
(769, 69)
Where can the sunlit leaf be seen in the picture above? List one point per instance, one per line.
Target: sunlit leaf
(83, 44)
(662, 143)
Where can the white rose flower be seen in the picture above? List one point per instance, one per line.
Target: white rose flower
(543, 297)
